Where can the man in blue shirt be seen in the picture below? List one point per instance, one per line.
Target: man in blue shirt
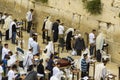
(84, 66)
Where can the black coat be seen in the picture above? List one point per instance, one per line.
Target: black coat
(55, 31)
(68, 41)
(13, 28)
(40, 69)
(43, 32)
(1, 51)
(50, 65)
(79, 44)
(31, 76)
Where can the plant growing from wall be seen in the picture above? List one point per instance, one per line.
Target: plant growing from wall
(93, 6)
(84, 1)
(119, 15)
(43, 1)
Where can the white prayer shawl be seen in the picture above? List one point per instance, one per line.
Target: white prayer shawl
(11, 75)
(48, 26)
(4, 52)
(20, 56)
(45, 20)
(54, 78)
(50, 49)
(12, 60)
(45, 58)
(98, 71)
(56, 70)
(67, 31)
(28, 59)
(10, 29)
(100, 41)
(57, 76)
(30, 40)
(8, 20)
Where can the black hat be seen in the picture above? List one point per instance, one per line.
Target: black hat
(41, 60)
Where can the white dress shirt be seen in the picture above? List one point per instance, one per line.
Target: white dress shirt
(4, 52)
(35, 47)
(61, 29)
(30, 40)
(29, 16)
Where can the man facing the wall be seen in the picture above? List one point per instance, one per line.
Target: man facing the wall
(29, 18)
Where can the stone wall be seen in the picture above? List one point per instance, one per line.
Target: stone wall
(73, 14)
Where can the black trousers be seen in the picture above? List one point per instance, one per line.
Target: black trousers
(42, 78)
(98, 56)
(7, 35)
(50, 75)
(62, 42)
(92, 49)
(2, 21)
(43, 36)
(79, 52)
(29, 26)
(83, 74)
(1, 35)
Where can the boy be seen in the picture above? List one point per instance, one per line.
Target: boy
(84, 66)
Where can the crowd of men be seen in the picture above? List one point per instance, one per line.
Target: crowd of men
(34, 65)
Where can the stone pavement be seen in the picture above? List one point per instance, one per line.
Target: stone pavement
(112, 67)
